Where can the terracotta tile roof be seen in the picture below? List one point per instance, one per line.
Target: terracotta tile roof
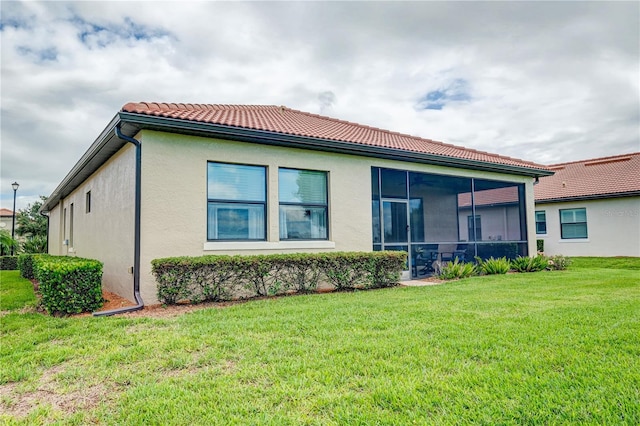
(6, 212)
(593, 178)
(490, 197)
(280, 119)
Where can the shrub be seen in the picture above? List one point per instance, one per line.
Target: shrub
(299, 272)
(529, 264)
(69, 285)
(455, 270)
(35, 244)
(383, 268)
(221, 277)
(559, 262)
(8, 263)
(25, 264)
(494, 266)
(540, 246)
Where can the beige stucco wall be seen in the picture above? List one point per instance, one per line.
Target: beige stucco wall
(5, 223)
(174, 197)
(106, 232)
(613, 228)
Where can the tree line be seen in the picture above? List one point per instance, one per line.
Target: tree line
(31, 231)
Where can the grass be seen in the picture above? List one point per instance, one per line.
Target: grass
(539, 348)
(15, 292)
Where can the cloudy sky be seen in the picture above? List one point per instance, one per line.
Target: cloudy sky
(547, 81)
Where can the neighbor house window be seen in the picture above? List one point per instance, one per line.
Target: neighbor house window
(573, 223)
(236, 197)
(303, 204)
(474, 227)
(87, 202)
(541, 222)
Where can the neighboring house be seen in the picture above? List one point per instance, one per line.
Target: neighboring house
(6, 223)
(221, 179)
(591, 207)
(6, 219)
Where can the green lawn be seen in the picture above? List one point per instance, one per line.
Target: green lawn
(15, 292)
(544, 348)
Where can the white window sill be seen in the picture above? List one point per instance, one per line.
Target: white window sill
(267, 245)
(574, 240)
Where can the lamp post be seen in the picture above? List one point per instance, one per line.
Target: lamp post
(15, 186)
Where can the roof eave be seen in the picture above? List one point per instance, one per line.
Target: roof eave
(589, 197)
(90, 161)
(283, 139)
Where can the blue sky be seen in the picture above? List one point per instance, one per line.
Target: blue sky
(542, 81)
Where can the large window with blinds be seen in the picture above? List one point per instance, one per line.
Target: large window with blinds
(573, 223)
(303, 204)
(236, 202)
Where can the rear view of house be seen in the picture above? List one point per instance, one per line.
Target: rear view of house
(186, 180)
(591, 207)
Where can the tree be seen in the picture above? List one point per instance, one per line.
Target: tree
(31, 225)
(29, 222)
(6, 242)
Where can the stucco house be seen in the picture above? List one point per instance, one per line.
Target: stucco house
(6, 219)
(187, 180)
(590, 207)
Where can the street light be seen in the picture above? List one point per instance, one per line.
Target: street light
(15, 186)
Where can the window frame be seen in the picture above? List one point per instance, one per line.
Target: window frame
(575, 222)
(87, 202)
(544, 213)
(230, 203)
(474, 223)
(324, 206)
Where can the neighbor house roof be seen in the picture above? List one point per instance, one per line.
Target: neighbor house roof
(283, 120)
(606, 177)
(6, 212)
(490, 197)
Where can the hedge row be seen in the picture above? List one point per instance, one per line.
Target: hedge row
(68, 285)
(221, 277)
(25, 264)
(8, 263)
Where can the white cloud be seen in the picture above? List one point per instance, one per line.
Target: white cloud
(543, 81)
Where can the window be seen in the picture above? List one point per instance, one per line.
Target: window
(541, 222)
(71, 225)
(236, 198)
(474, 227)
(573, 223)
(303, 204)
(87, 202)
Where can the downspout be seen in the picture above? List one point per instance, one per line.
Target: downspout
(47, 216)
(136, 255)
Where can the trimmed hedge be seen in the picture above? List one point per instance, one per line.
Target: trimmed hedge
(69, 285)
(8, 263)
(222, 277)
(25, 264)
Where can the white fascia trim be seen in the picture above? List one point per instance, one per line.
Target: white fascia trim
(267, 245)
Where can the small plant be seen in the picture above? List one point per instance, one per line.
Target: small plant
(493, 266)
(540, 246)
(454, 270)
(559, 262)
(529, 264)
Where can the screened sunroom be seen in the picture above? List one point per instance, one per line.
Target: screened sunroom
(438, 218)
